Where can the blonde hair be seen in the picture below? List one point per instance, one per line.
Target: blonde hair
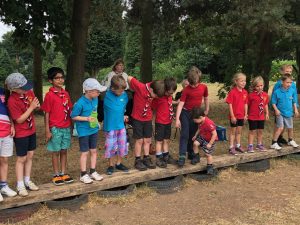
(255, 81)
(285, 66)
(236, 77)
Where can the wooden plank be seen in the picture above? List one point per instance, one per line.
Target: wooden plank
(49, 191)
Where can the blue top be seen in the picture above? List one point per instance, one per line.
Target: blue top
(293, 86)
(3, 106)
(85, 107)
(284, 99)
(114, 109)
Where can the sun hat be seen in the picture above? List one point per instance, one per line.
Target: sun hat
(92, 84)
(17, 80)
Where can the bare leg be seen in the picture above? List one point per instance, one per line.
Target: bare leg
(3, 168)
(232, 136)
(83, 160)
(147, 142)
(93, 158)
(138, 147)
(28, 163)
(63, 160)
(55, 159)
(251, 137)
(259, 136)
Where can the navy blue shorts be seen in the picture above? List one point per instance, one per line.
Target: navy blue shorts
(239, 123)
(88, 142)
(25, 144)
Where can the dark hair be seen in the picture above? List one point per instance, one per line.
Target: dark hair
(197, 111)
(118, 82)
(117, 62)
(286, 76)
(170, 84)
(194, 75)
(158, 87)
(53, 71)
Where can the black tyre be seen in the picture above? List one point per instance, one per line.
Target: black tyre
(118, 191)
(72, 203)
(167, 185)
(255, 166)
(295, 156)
(17, 214)
(203, 176)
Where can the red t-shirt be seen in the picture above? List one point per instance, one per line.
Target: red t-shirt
(238, 99)
(142, 100)
(58, 105)
(192, 96)
(255, 112)
(206, 129)
(164, 109)
(17, 107)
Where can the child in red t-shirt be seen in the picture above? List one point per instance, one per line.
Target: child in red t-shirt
(191, 97)
(163, 122)
(21, 104)
(57, 107)
(237, 100)
(205, 137)
(142, 118)
(257, 107)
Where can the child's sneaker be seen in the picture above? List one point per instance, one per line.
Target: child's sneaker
(1, 198)
(250, 149)
(169, 159)
(275, 146)
(181, 161)
(57, 180)
(293, 143)
(22, 191)
(96, 176)
(6, 190)
(122, 168)
(148, 163)
(232, 151)
(261, 148)
(67, 179)
(86, 179)
(210, 170)
(196, 159)
(110, 170)
(31, 186)
(160, 162)
(240, 149)
(139, 165)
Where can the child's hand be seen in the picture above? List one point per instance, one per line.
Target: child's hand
(90, 119)
(245, 117)
(126, 119)
(206, 112)
(277, 112)
(35, 103)
(178, 124)
(12, 131)
(194, 138)
(48, 136)
(267, 117)
(233, 120)
(296, 113)
(208, 146)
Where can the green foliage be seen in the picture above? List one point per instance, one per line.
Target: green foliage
(5, 64)
(132, 49)
(276, 64)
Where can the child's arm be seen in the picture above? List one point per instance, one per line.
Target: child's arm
(232, 117)
(34, 104)
(267, 111)
(84, 118)
(195, 136)
(178, 112)
(12, 128)
(206, 103)
(296, 110)
(47, 127)
(129, 78)
(213, 138)
(277, 112)
(246, 112)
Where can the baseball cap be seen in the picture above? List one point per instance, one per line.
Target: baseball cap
(93, 84)
(17, 80)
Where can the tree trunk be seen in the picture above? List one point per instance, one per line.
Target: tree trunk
(37, 73)
(79, 31)
(298, 65)
(146, 56)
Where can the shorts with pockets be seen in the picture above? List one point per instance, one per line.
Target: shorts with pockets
(141, 129)
(286, 122)
(60, 140)
(6, 146)
(256, 124)
(88, 142)
(239, 123)
(162, 131)
(25, 144)
(203, 145)
(115, 143)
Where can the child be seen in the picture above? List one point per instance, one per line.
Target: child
(115, 102)
(184, 84)
(284, 69)
(205, 137)
(257, 107)
(191, 97)
(142, 118)
(7, 132)
(237, 101)
(21, 104)
(57, 107)
(163, 122)
(284, 103)
(84, 114)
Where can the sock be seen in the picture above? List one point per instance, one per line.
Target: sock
(238, 145)
(209, 165)
(231, 146)
(82, 173)
(20, 183)
(137, 157)
(273, 142)
(61, 173)
(165, 153)
(118, 164)
(3, 184)
(290, 139)
(146, 156)
(56, 175)
(92, 170)
(26, 179)
(159, 155)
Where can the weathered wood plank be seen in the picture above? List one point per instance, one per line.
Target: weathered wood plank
(49, 191)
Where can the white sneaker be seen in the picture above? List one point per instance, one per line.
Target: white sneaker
(293, 143)
(86, 179)
(31, 186)
(96, 176)
(6, 190)
(1, 198)
(22, 191)
(275, 146)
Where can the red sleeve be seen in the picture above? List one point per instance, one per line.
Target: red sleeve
(246, 100)
(229, 98)
(70, 102)
(183, 95)
(154, 103)
(136, 85)
(212, 127)
(205, 94)
(46, 106)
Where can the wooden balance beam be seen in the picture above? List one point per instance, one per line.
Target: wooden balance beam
(50, 192)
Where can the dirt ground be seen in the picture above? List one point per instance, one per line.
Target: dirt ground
(272, 197)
